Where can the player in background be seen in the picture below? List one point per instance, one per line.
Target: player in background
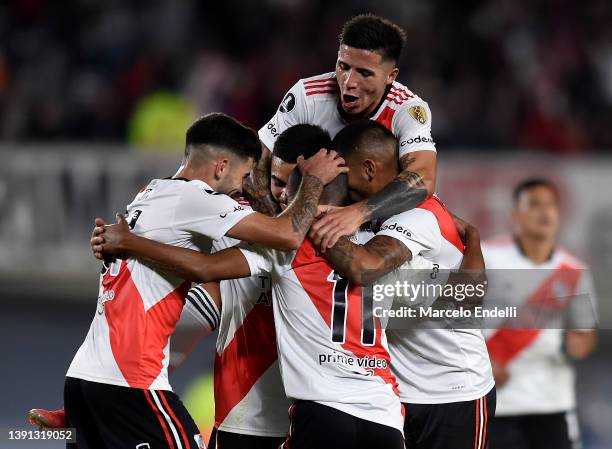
(117, 392)
(536, 399)
(362, 86)
(444, 375)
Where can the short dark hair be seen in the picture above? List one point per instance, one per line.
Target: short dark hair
(365, 134)
(222, 131)
(530, 183)
(371, 32)
(300, 140)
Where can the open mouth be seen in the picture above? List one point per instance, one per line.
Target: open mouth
(349, 101)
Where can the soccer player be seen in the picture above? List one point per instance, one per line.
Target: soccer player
(363, 86)
(250, 402)
(296, 141)
(444, 374)
(347, 321)
(342, 390)
(117, 392)
(536, 399)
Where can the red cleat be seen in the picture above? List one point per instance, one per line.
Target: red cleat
(47, 419)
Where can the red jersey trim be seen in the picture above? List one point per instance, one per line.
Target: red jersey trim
(445, 221)
(318, 92)
(319, 80)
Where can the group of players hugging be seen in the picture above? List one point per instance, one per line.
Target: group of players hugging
(273, 239)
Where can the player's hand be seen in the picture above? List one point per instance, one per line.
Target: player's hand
(97, 238)
(467, 232)
(335, 223)
(109, 241)
(324, 165)
(500, 373)
(324, 209)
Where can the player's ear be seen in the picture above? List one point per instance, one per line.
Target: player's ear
(221, 168)
(369, 169)
(392, 76)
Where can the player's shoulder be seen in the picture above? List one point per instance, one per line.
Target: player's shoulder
(320, 87)
(500, 249)
(499, 243)
(568, 259)
(197, 192)
(400, 96)
(416, 219)
(407, 105)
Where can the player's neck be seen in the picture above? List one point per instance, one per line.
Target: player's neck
(201, 173)
(536, 250)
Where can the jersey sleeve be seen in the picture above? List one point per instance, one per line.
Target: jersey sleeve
(583, 306)
(202, 211)
(412, 127)
(261, 260)
(293, 110)
(418, 229)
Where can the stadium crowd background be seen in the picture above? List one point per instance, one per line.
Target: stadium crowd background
(500, 73)
(514, 87)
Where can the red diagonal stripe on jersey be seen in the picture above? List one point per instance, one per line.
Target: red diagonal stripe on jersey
(312, 272)
(386, 117)
(315, 92)
(445, 221)
(138, 339)
(506, 343)
(319, 80)
(247, 357)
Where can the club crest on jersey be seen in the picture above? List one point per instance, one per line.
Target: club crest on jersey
(288, 103)
(418, 113)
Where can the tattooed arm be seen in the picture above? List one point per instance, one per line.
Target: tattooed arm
(287, 231)
(257, 186)
(411, 187)
(365, 264)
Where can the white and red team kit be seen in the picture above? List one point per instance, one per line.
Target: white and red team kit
(139, 306)
(323, 354)
(315, 101)
(249, 394)
(541, 378)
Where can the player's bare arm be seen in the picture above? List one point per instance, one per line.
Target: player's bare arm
(410, 188)
(579, 344)
(365, 264)
(256, 186)
(118, 241)
(287, 231)
(472, 269)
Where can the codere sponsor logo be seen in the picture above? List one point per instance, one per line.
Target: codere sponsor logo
(396, 228)
(417, 139)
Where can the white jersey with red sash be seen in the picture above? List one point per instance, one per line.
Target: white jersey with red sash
(323, 354)
(541, 378)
